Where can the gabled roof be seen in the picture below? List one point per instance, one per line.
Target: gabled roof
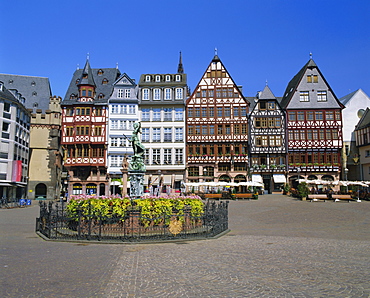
(125, 75)
(347, 98)
(216, 59)
(294, 83)
(36, 90)
(364, 121)
(266, 93)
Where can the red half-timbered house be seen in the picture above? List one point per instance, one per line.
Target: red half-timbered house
(217, 128)
(314, 126)
(84, 125)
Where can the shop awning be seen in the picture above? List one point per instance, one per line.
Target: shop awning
(257, 178)
(279, 178)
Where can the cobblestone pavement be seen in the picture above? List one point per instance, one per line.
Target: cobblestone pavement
(277, 247)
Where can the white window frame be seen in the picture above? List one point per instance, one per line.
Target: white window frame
(179, 93)
(157, 78)
(167, 94)
(178, 78)
(322, 95)
(147, 78)
(146, 94)
(168, 78)
(120, 93)
(157, 94)
(304, 96)
(127, 93)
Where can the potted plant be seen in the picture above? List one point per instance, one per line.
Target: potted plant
(303, 191)
(286, 189)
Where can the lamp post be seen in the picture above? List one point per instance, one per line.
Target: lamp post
(204, 179)
(346, 178)
(159, 182)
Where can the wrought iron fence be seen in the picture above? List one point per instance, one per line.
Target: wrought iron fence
(54, 223)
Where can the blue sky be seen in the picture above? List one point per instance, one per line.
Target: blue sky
(256, 40)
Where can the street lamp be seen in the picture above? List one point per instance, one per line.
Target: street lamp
(346, 178)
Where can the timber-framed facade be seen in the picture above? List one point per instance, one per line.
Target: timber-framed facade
(267, 141)
(217, 128)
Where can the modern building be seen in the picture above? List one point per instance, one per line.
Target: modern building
(362, 135)
(217, 128)
(267, 141)
(123, 113)
(355, 105)
(314, 126)
(84, 129)
(162, 113)
(45, 161)
(14, 144)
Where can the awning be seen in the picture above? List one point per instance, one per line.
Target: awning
(279, 178)
(257, 178)
(179, 177)
(115, 183)
(167, 179)
(6, 184)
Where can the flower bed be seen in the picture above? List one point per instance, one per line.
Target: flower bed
(151, 209)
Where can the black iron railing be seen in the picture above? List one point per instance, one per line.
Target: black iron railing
(54, 223)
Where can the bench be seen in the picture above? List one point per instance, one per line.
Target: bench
(212, 196)
(244, 196)
(315, 197)
(337, 198)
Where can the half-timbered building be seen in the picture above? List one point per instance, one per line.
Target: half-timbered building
(267, 141)
(162, 112)
(362, 135)
(84, 129)
(314, 126)
(217, 128)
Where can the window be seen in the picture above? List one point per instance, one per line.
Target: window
(271, 105)
(178, 78)
(292, 116)
(329, 115)
(145, 134)
(179, 93)
(114, 142)
(321, 96)
(97, 130)
(179, 114)
(243, 111)
(114, 109)
(131, 109)
(157, 94)
(204, 112)
(318, 116)
(179, 135)
(204, 130)
(190, 112)
(211, 112)
(167, 156)
(309, 115)
(157, 78)
(167, 114)
(168, 78)
(167, 94)
(147, 78)
(197, 112)
(300, 116)
(120, 93)
(156, 134)
(157, 156)
(262, 105)
(236, 111)
(69, 131)
(227, 112)
(167, 134)
(145, 94)
(114, 124)
(178, 156)
(304, 96)
(312, 79)
(219, 111)
(156, 114)
(210, 93)
(211, 130)
(123, 109)
(193, 171)
(127, 93)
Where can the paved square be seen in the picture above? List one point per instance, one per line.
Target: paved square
(277, 247)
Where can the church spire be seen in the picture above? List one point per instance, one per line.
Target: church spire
(180, 68)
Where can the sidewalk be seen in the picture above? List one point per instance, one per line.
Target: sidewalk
(277, 247)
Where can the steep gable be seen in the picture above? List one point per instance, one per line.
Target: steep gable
(309, 90)
(216, 86)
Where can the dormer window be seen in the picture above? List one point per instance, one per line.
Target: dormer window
(147, 78)
(10, 81)
(157, 78)
(105, 81)
(35, 105)
(77, 81)
(34, 93)
(33, 83)
(178, 78)
(100, 72)
(101, 96)
(73, 96)
(168, 78)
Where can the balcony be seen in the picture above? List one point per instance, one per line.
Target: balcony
(320, 167)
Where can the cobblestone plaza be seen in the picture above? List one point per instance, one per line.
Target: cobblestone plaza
(277, 247)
